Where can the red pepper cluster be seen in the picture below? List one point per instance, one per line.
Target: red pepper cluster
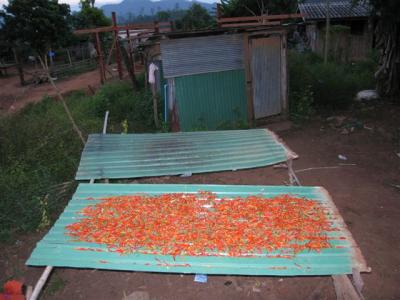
(202, 224)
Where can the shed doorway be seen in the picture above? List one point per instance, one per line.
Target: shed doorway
(266, 76)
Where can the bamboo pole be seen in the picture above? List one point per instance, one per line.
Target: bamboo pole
(41, 282)
(60, 96)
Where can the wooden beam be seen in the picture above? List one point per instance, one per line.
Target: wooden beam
(113, 28)
(231, 25)
(260, 18)
(344, 288)
(117, 47)
(100, 58)
(248, 78)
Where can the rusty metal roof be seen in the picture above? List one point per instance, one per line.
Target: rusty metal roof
(57, 249)
(316, 9)
(144, 155)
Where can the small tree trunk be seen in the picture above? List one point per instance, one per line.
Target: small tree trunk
(19, 67)
(129, 66)
(388, 73)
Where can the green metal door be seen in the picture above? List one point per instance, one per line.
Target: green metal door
(211, 100)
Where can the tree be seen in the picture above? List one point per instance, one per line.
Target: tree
(240, 8)
(196, 17)
(89, 17)
(387, 34)
(42, 24)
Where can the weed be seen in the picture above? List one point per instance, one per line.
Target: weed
(40, 152)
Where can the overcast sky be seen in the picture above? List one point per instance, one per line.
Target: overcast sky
(74, 3)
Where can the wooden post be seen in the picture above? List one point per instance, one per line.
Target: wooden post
(19, 67)
(131, 57)
(284, 75)
(117, 49)
(155, 106)
(248, 78)
(69, 57)
(327, 28)
(156, 27)
(219, 14)
(100, 58)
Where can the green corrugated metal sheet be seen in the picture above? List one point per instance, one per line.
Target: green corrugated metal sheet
(211, 100)
(56, 249)
(141, 155)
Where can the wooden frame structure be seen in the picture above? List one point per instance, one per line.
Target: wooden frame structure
(148, 29)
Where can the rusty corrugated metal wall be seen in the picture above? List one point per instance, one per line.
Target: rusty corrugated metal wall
(266, 73)
(211, 101)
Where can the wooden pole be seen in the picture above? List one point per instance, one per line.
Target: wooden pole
(248, 78)
(60, 96)
(219, 14)
(69, 57)
(327, 28)
(155, 106)
(117, 49)
(100, 58)
(131, 57)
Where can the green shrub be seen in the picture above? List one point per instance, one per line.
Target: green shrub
(332, 85)
(40, 152)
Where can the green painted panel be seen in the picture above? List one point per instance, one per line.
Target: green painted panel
(212, 100)
(56, 249)
(140, 155)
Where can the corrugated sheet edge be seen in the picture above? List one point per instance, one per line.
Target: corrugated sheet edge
(359, 261)
(289, 153)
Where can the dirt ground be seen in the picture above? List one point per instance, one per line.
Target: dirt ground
(13, 96)
(362, 190)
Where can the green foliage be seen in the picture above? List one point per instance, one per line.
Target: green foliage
(89, 17)
(239, 8)
(325, 86)
(43, 24)
(196, 17)
(39, 151)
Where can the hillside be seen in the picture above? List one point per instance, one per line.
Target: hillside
(147, 7)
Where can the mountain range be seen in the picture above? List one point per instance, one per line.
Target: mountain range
(148, 7)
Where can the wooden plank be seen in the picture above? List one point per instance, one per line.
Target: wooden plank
(260, 18)
(344, 288)
(248, 77)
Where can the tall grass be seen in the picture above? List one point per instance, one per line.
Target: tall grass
(39, 151)
(328, 86)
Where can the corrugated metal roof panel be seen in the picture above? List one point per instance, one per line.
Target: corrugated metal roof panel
(188, 56)
(211, 101)
(142, 155)
(316, 9)
(56, 249)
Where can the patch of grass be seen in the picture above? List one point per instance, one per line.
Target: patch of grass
(333, 86)
(55, 285)
(40, 152)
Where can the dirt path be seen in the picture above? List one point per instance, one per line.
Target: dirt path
(361, 190)
(13, 96)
